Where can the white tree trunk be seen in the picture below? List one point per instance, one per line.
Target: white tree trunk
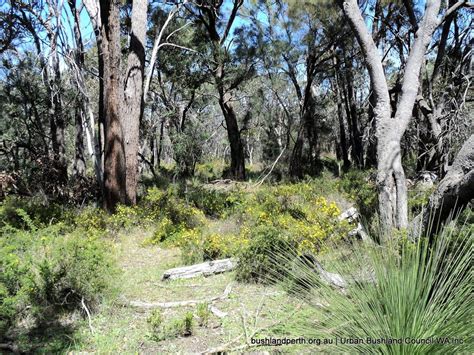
(391, 182)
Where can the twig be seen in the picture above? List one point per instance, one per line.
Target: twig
(217, 312)
(88, 315)
(271, 169)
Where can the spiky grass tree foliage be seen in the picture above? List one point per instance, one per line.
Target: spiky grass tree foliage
(402, 298)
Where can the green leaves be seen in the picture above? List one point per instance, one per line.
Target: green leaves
(414, 293)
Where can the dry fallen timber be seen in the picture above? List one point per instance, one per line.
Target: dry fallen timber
(141, 304)
(204, 269)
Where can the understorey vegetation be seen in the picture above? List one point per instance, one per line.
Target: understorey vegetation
(222, 176)
(58, 263)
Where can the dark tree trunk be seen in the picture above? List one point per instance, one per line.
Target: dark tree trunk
(356, 137)
(342, 129)
(114, 158)
(160, 143)
(296, 163)
(237, 156)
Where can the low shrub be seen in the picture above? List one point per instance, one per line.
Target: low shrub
(417, 199)
(203, 313)
(293, 210)
(39, 210)
(256, 260)
(125, 217)
(361, 189)
(209, 171)
(91, 220)
(215, 203)
(46, 271)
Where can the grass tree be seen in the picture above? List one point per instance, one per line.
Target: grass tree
(400, 298)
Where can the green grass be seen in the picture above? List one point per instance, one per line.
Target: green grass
(125, 330)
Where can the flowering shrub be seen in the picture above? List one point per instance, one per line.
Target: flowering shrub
(296, 211)
(301, 222)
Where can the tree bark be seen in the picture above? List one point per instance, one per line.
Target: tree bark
(454, 192)
(340, 115)
(79, 162)
(114, 158)
(390, 174)
(237, 157)
(132, 107)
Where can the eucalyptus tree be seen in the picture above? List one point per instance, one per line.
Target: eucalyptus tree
(391, 180)
(296, 42)
(227, 67)
(41, 21)
(441, 101)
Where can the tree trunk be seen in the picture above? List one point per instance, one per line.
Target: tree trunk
(340, 115)
(56, 114)
(454, 192)
(84, 121)
(352, 116)
(132, 108)
(390, 175)
(296, 163)
(114, 158)
(237, 164)
(94, 139)
(79, 162)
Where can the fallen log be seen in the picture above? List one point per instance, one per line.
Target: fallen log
(140, 304)
(205, 269)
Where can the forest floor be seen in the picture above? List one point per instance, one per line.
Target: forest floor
(119, 328)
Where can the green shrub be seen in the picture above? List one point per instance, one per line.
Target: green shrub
(125, 217)
(209, 171)
(40, 212)
(417, 199)
(203, 313)
(294, 210)
(359, 188)
(46, 271)
(91, 220)
(211, 202)
(155, 320)
(256, 260)
(71, 269)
